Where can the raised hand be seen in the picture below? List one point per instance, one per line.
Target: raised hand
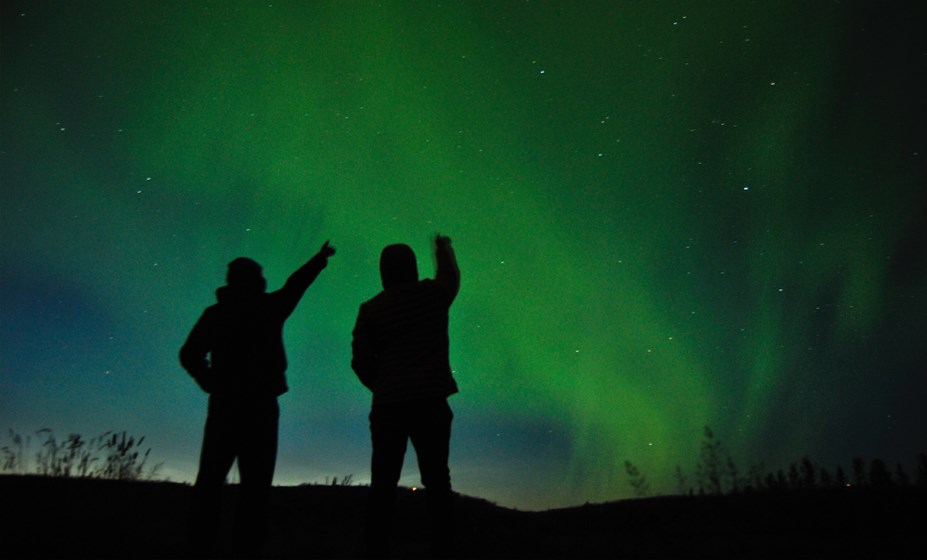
(442, 240)
(327, 250)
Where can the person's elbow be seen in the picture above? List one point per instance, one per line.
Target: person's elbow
(360, 365)
(184, 357)
(364, 372)
(451, 283)
(455, 282)
(192, 361)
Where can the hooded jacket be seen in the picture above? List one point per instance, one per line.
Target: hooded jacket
(400, 347)
(236, 347)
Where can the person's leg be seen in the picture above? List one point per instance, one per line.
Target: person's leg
(431, 436)
(216, 457)
(389, 438)
(257, 459)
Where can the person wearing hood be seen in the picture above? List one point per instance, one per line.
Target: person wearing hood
(235, 353)
(400, 352)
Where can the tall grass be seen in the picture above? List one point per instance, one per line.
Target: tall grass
(111, 455)
(13, 457)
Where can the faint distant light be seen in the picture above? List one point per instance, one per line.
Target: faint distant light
(746, 188)
(542, 71)
(414, 488)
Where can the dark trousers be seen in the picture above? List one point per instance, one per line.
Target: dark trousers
(244, 429)
(428, 425)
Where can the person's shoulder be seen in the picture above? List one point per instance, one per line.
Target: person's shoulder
(434, 287)
(434, 293)
(374, 301)
(272, 298)
(211, 314)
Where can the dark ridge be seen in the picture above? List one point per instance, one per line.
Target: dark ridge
(90, 518)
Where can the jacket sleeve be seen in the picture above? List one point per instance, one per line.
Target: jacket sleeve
(298, 282)
(194, 354)
(448, 273)
(363, 356)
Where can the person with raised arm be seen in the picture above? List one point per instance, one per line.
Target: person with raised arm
(235, 353)
(400, 351)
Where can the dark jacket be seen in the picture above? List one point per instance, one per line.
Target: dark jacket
(236, 347)
(400, 348)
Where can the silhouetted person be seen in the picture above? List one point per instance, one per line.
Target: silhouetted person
(400, 353)
(235, 353)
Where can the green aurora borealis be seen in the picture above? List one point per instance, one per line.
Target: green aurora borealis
(667, 215)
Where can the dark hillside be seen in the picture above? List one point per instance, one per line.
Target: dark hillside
(83, 518)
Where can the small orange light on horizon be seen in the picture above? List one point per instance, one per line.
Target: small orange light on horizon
(414, 488)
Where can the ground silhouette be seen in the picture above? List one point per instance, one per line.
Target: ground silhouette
(45, 517)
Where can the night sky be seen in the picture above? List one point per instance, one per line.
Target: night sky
(667, 215)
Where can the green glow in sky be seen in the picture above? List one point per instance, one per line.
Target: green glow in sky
(667, 216)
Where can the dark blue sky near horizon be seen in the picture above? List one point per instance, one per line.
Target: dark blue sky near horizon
(667, 215)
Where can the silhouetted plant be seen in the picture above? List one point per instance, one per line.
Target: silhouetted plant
(825, 478)
(14, 458)
(840, 477)
(346, 480)
(859, 471)
(637, 481)
(123, 459)
(769, 482)
(808, 473)
(75, 457)
(47, 459)
(755, 476)
(708, 470)
(72, 457)
(733, 475)
(794, 479)
(681, 482)
(782, 481)
(922, 470)
(716, 475)
(901, 477)
(878, 474)
(8, 462)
